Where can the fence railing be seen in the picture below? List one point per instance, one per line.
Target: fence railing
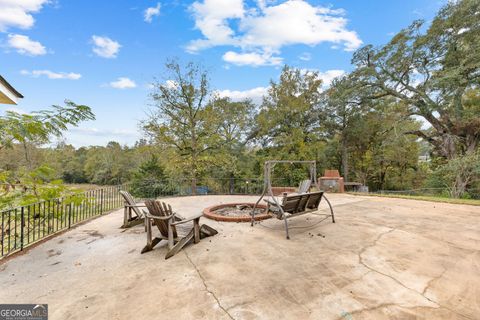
(23, 226)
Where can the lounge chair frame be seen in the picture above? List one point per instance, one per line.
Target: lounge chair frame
(293, 205)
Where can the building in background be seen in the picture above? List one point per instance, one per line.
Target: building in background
(8, 94)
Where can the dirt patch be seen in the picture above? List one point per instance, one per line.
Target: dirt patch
(53, 253)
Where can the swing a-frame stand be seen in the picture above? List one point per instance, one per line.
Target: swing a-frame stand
(291, 205)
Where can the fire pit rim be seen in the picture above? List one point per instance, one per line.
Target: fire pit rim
(210, 214)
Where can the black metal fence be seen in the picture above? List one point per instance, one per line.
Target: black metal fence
(205, 186)
(23, 226)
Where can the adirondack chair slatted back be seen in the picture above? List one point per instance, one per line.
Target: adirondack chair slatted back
(304, 186)
(160, 209)
(131, 202)
(314, 200)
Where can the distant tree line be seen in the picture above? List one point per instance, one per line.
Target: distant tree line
(407, 116)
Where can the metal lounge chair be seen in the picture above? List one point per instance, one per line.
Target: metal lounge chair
(296, 205)
(172, 228)
(131, 207)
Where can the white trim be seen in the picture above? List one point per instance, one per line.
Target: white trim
(8, 95)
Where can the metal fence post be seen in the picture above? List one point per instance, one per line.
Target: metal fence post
(22, 222)
(101, 201)
(69, 215)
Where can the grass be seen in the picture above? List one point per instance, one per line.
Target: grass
(472, 202)
(82, 186)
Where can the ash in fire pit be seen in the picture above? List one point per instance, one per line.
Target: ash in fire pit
(236, 212)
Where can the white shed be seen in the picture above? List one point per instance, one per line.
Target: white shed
(8, 94)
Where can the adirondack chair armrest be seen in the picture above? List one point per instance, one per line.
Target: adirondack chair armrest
(148, 215)
(198, 216)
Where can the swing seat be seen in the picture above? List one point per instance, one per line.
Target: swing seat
(297, 205)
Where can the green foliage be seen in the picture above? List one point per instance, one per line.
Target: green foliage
(431, 73)
(457, 174)
(35, 182)
(38, 127)
(150, 180)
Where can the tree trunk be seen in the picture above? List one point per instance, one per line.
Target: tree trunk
(232, 183)
(194, 186)
(345, 167)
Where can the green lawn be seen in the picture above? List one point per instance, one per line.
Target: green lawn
(472, 202)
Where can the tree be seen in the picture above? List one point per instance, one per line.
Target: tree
(150, 180)
(232, 122)
(344, 107)
(39, 126)
(290, 119)
(36, 182)
(458, 173)
(111, 164)
(181, 121)
(430, 73)
(290, 112)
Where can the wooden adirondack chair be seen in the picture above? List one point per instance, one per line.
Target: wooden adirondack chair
(296, 205)
(131, 207)
(172, 228)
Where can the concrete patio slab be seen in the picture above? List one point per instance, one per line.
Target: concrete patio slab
(383, 259)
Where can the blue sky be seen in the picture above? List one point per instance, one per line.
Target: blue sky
(105, 53)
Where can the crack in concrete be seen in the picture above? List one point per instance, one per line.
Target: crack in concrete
(206, 287)
(431, 281)
(360, 260)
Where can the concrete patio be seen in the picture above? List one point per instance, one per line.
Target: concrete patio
(383, 259)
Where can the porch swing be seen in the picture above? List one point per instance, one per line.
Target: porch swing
(291, 205)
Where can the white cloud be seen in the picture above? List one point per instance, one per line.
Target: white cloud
(52, 75)
(123, 83)
(211, 18)
(24, 45)
(255, 94)
(268, 27)
(18, 13)
(152, 12)
(327, 76)
(105, 47)
(252, 59)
